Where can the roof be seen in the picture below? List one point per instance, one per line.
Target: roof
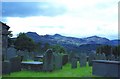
(3, 24)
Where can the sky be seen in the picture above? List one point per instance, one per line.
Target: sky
(75, 18)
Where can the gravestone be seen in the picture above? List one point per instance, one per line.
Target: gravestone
(57, 61)
(64, 59)
(48, 60)
(24, 54)
(98, 57)
(103, 57)
(74, 63)
(111, 57)
(71, 55)
(11, 52)
(83, 60)
(118, 58)
(90, 58)
(6, 68)
(15, 64)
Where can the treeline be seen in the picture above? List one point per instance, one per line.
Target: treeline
(24, 43)
(109, 50)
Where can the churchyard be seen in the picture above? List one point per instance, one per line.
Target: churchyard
(53, 64)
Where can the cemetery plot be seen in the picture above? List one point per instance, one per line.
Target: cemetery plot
(34, 66)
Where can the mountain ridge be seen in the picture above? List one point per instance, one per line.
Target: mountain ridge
(72, 40)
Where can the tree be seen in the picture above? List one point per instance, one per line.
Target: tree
(116, 50)
(58, 48)
(10, 41)
(106, 49)
(46, 46)
(38, 46)
(23, 43)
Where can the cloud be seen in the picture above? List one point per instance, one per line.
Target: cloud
(79, 19)
(26, 9)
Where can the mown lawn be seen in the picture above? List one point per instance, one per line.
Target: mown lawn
(66, 71)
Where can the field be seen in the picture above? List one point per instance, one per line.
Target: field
(66, 71)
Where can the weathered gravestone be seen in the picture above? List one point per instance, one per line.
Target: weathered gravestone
(74, 63)
(98, 57)
(15, 64)
(72, 55)
(83, 60)
(64, 59)
(90, 58)
(57, 61)
(111, 57)
(11, 52)
(48, 60)
(25, 55)
(103, 57)
(6, 67)
(118, 58)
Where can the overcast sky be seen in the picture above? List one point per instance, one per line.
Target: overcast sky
(76, 18)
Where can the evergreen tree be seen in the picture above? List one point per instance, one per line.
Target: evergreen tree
(23, 43)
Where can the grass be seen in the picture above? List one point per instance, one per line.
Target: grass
(66, 71)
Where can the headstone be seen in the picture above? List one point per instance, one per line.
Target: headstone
(6, 67)
(103, 57)
(25, 54)
(98, 57)
(74, 63)
(90, 58)
(111, 57)
(48, 60)
(64, 59)
(15, 64)
(11, 52)
(57, 61)
(118, 58)
(83, 60)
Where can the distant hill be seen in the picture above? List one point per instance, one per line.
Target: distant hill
(88, 44)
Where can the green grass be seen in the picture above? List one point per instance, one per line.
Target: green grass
(66, 71)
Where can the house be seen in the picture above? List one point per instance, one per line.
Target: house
(3, 38)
